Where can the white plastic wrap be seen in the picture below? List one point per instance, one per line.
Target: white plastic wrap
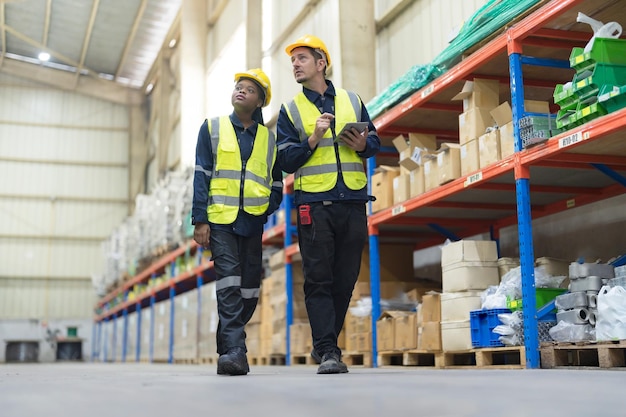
(569, 332)
(611, 318)
(600, 30)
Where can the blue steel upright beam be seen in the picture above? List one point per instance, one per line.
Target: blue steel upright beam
(152, 302)
(170, 358)
(288, 277)
(94, 340)
(524, 219)
(374, 266)
(105, 348)
(125, 329)
(138, 312)
(114, 348)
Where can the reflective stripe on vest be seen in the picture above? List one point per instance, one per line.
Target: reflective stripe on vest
(225, 193)
(320, 172)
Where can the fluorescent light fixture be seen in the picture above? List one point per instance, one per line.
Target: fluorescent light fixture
(44, 56)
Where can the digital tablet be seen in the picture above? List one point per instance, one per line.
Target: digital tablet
(360, 126)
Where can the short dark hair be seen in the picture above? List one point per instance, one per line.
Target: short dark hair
(317, 56)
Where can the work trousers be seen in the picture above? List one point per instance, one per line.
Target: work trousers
(238, 268)
(331, 248)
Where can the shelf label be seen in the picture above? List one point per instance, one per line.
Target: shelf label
(398, 210)
(570, 140)
(427, 91)
(571, 203)
(474, 178)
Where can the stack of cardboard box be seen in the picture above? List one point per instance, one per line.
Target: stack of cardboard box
(207, 334)
(468, 268)
(273, 308)
(186, 325)
(429, 323)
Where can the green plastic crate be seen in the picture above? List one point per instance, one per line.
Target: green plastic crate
(586, 113)
(612, 98)
(604, 51)
(543, 297)
(565, 98)
(567, 119)
(588, 83)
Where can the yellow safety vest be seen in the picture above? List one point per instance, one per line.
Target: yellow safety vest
(320, 172)
(226, 193)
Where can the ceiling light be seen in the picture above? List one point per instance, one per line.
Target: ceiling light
(149, 88)
(44, 56)
(172, 43)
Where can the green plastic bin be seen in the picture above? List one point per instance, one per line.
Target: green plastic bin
(604, 51)
(565, 98)
(588, 83)
(543, 297)
(586, 113)
(612, 98)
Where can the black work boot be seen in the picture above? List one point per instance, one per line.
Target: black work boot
(316, 356)
(233, 362)
(331, 364)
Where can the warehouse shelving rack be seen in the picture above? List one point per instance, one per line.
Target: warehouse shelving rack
(580, 166)
(116, 305)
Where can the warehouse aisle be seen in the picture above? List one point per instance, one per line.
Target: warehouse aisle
(108, 390)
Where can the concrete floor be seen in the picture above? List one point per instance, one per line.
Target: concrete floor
(160, 390)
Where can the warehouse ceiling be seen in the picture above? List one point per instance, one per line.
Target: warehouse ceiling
(109, 40)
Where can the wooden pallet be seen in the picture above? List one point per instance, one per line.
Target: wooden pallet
(186, 361)
(508, 357)
(357, 359)
(275, 359)
(302, 359)
(408, 358)
(584, 354)
(211, 360)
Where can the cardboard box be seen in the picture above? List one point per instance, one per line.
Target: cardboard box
(456, 336)
(416, 181)
(411, 151)
(479, 93)
(385, 335)
(474, 123)
(469, 251)
(431, 308)
(382, 187)
(507, 140)
(469, 276)
(456, 306)
(470, 161)
(489, 148)
(429, 336)
(364, 342)
(431, 177)
(449, 162)
(401, 188)
(405, 329)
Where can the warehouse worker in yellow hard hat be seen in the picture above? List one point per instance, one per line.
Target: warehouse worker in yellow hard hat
(237, 184)
(330, 191)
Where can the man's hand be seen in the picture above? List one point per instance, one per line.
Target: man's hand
(355, 140)
(201, 233)
(322, 124)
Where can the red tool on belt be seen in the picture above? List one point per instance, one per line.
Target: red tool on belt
(305, 214)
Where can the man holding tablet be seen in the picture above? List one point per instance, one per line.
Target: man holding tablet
(330, 190)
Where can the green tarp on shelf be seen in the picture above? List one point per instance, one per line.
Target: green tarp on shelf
(486, 20)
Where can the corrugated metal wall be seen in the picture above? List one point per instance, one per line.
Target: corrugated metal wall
(64, 170)
(418, 34)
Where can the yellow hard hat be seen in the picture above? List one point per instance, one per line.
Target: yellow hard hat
(257, 75)
(310, 41)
